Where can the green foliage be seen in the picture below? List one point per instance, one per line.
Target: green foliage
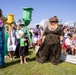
(35, 68)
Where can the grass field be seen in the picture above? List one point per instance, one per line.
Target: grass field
(35, 68)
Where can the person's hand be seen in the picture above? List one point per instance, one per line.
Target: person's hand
(10, 43)
(25, 39)
(43, 38)
(61, 42)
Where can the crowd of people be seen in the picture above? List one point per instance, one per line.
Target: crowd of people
(52, 41)
(16, 44)
(69, 42)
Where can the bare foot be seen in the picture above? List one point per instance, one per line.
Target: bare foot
(25, 62)
(21, 63)
(5, 57)
(11, 58)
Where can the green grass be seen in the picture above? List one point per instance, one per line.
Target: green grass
(35, 68)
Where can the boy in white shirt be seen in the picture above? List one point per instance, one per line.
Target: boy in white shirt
(68, 43)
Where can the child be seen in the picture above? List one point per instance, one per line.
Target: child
(22, 51)
(68, 44)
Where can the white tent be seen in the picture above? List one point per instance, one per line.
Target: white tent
(44, 23)
(69, 23)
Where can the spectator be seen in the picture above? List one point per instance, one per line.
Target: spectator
(23, 44)
(35, 37)
(12, 41)
(68, 44)
(51, 48)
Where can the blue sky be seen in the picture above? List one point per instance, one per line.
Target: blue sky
(43, 9)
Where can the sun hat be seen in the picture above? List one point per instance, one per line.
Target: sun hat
(54, 19)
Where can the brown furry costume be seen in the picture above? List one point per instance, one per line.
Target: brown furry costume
(50, 48)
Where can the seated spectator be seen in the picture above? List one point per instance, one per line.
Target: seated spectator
(67, 46)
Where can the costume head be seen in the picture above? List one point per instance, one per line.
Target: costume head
(10, 18)
(27, 16)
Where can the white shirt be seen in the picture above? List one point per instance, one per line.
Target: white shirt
(68, 42)
(18, 33)
(21, 32)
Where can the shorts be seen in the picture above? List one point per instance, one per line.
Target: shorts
(23, 51)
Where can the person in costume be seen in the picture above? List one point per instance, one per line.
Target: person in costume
(23, 44)
(6, 40)
(2, 38)
(26, 37)
(50, 48)
(12, 40)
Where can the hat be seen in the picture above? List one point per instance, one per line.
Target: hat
(53, 19)
(10, 18)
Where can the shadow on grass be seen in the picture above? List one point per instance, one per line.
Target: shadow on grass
(11, 63)
(53, 64)
(31, 56)
(31, 59)
(30, 52)
(61, 61)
